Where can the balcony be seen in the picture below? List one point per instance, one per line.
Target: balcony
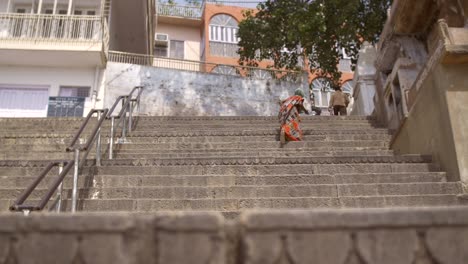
(52, 40)
(179, 14)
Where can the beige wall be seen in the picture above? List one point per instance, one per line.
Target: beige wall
(431, 129)
(191, 36)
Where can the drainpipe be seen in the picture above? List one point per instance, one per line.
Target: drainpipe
(95, 88)
(70, 4)
(55, 7)
(39, 7)
(8, 6)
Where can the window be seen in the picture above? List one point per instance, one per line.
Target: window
(322, 90)
(177, 49)
(160, 50)
(223, 28)
(66, 91)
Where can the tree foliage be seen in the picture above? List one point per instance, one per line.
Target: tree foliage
(287, 31)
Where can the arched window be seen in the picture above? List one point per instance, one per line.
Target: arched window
(223, 28)
(347, 87)
(321, 89)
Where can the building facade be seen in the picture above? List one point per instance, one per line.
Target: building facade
(53, 53)
(207, 34)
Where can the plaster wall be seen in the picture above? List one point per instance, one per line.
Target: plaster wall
(183, 93)
(190, 35)
(53, 78)
(431, 129)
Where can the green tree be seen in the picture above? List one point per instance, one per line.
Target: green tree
(286, 31)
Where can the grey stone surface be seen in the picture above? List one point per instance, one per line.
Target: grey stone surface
(174, 92)
(373, 236)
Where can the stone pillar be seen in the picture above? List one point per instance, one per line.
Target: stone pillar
(364, 80)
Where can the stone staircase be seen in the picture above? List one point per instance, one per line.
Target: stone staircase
(228, 164)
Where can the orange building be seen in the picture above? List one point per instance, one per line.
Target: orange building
(205, 38)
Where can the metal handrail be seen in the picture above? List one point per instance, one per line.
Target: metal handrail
(103, 114)
(128, 105)
(19, 203)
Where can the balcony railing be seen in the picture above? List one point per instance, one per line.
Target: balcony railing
(174, 10)
(52, 28)
(199, 66)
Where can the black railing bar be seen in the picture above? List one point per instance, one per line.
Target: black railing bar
(53, 188)
(34, 184)
(71, 146)
(96, 128)
(115, 105)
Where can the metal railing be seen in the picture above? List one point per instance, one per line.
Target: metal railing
(176, 10)
(199, 66)
(129, 103)
(125, 116)
(64, 168)
(52, 28)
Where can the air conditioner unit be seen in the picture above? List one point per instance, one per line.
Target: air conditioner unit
(162, 39)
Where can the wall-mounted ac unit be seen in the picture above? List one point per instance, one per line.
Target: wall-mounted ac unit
(162, 39)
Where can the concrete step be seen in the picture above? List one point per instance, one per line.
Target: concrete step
(251, 153)
(252, 170)
(238, 192)
(262, 138)
(255, 145)
(225, 180)
(234, 170)
(235, 205)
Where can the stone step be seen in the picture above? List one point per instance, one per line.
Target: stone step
(34, 169)
(250, 153)
(196, 139)
(225, 180)
(251, 170)
(255, 145)
(233, 205)
(286, 149)
(238, 192)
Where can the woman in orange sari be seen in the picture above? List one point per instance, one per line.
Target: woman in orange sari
(289, 117)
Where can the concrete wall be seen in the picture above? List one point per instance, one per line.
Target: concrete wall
(54, 78)
(320, 236)
(190, 35)
(175, 92)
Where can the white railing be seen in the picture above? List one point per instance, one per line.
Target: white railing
(199, 66)
(179, 11)
(51, 28)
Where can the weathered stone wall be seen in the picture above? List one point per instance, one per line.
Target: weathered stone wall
(186, 93)
(421, 83)
(380, 236)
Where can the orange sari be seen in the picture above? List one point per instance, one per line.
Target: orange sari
(289, 117)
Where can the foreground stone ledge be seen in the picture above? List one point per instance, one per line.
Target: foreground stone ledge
(352, 236)
(377, 236)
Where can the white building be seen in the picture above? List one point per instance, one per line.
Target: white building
(58, 48)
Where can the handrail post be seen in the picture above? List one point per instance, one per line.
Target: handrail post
(124, 126)
(111, 142)
(98, 142)
(59, 191)
(75, 180)
(130, 110)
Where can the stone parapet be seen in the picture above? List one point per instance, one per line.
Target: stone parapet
(380, 236)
